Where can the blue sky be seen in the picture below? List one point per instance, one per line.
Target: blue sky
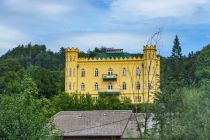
(85, 24)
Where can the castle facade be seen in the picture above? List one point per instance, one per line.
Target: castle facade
(114, 73)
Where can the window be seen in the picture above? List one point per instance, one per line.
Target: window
(73, 86)
(124, 72)
(110, 72)
(74, 72)
(82, 87)
(69, 86)
(110, 86)
(138, 71)
(70, 72)
(74, 58)
(138, 85)
(95, 98)
(70, 58)
(137, 99)
(96, 86)
(124, 86)
(96, 72)
(83, 73)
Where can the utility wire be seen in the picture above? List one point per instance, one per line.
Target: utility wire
(103, 124)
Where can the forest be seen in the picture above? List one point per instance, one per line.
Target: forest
(32, 91)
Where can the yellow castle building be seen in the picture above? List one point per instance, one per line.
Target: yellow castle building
(114, 73)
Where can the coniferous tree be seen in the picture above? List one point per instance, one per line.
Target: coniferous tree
(176, 50)
(177, 65)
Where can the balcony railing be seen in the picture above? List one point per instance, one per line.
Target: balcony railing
(109, 77)
(109, 91)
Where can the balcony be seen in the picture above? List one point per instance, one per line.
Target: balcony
(109, 77)
(109, 91)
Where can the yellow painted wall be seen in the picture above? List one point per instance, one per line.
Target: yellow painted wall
(149, 60)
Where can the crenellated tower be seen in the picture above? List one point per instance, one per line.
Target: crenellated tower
(71, 71)
(151, 68)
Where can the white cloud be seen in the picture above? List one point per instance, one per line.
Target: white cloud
(39, 7)
(128, 41)
(150, 9)
(10, 38)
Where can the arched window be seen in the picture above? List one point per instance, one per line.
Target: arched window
(138, 85)
(110, 72)
(70, 72)
(70, 86)
(82, 87)
(74, 86)
(137, 99)
(83, 73)
(124, 72)
(74, 71)
(138, 71)
(96, 86)
(110, 86)
(124, 86)
(96, 72)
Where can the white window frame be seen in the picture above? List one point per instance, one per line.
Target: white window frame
(138, 71)
(96, 86)
(124, 86)
(69, 85)
(110, 72)
(124, 71)
(96, 72)
(138, 86)
(82, 87)
(74, 71)
(70, 72)
(110, 86)
(83, 73)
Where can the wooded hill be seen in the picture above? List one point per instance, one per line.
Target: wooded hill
(32, 85)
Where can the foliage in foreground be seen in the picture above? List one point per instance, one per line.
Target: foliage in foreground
(187, 118)
(76, 102)
(23, 116)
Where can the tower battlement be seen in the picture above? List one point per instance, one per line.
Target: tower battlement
(71, 49)
(149, 47)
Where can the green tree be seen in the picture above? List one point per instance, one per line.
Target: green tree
(23, 117)
(176, 50)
